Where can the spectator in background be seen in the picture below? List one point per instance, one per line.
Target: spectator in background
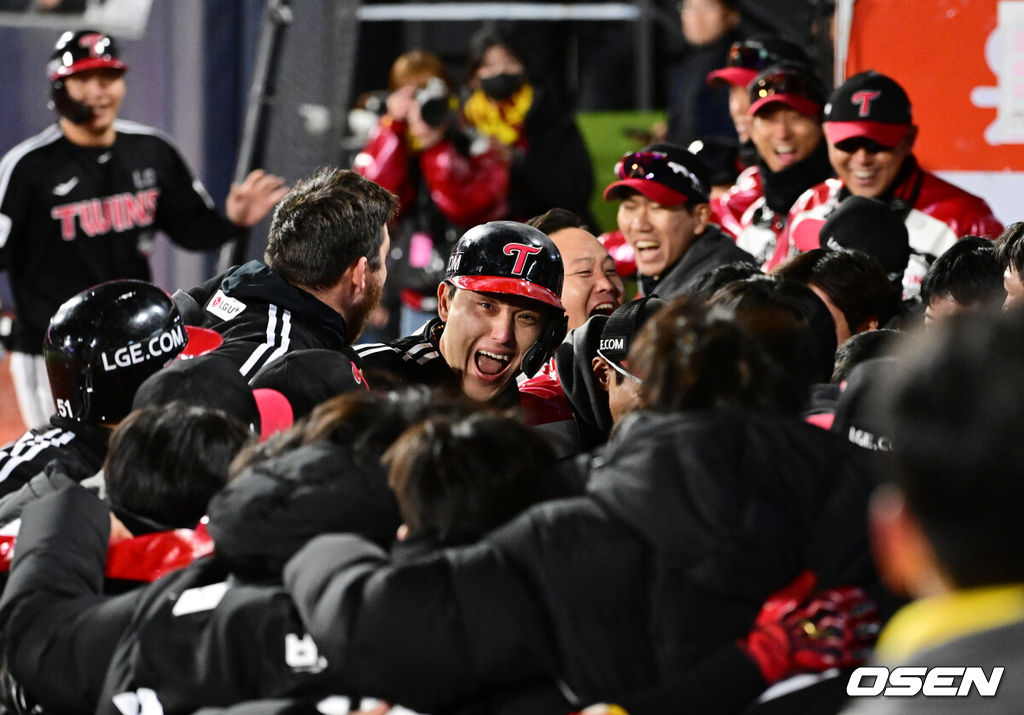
(785, 127)
(548, 162)
(967, 277)
(445, 182)
(697, 110)
(871, 135)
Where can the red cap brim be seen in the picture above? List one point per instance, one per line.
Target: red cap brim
(807, 107)
(659, 193)
(90, 63)
(276, 414)
(738, 76)
(889, 135)
(508, 286)
(200, 342)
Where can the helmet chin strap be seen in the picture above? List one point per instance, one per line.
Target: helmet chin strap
(61, 102)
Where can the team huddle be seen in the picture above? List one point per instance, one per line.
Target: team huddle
(544, 495)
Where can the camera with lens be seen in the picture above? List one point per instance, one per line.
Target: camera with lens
(433, 101)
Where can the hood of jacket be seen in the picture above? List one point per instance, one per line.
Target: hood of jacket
(588, 400)
(255, 280)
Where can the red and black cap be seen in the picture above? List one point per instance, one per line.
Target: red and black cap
(665, 173)
(83, 50)
(748, 58)
(507, 257)
(871, 106)
(788, 83)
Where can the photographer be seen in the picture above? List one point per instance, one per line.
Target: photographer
(446, 182)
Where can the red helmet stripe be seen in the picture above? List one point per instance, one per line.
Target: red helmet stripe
(512, 286)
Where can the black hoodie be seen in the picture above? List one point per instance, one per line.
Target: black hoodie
(261, 317)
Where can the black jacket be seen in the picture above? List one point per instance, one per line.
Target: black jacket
(710, 249)
(690, 522)
(261, 317)
(215, 633)
(589, 401)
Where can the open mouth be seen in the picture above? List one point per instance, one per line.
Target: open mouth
(647, 247)
(785, 154)
(602, 309)
(491, 364)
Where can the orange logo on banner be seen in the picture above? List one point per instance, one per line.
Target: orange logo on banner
(939, 51)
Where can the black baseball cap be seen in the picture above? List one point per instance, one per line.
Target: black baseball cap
(868, 105)
(747, 58)
(308, 377)
(622, 326)
(214, 381)
(862, 409)
(665, 173)
(869, 225)
(788, 83)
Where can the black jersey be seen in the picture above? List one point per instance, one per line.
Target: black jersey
(74, 216)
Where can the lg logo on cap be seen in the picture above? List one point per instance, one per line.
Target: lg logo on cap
(522, 251)
(863, 99)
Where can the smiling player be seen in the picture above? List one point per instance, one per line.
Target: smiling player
(80, 202)
(499, 313)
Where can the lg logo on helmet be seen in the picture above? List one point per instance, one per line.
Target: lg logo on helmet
(138, 352)
(521, 251)
(907, 681)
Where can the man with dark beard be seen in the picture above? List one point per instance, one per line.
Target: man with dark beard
(321, 276)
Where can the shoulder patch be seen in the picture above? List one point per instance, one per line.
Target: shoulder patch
(224, 307)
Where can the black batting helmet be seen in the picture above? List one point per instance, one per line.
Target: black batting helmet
(104, 342)
(83, 50)
(77, 52)
(514, 259)
(507, 257)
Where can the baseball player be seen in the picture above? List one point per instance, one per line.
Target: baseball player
(100, 346)
(80, 202)
(499, 314)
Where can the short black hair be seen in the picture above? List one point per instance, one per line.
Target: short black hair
(556, 219)
(862, 347)
(709, 283)
(756, 303)
(853, 280)
(164, 463)
(1010, 247)
(326, 223)
(957, 417)
(969, 272)
(690, 360)
(455, 480)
